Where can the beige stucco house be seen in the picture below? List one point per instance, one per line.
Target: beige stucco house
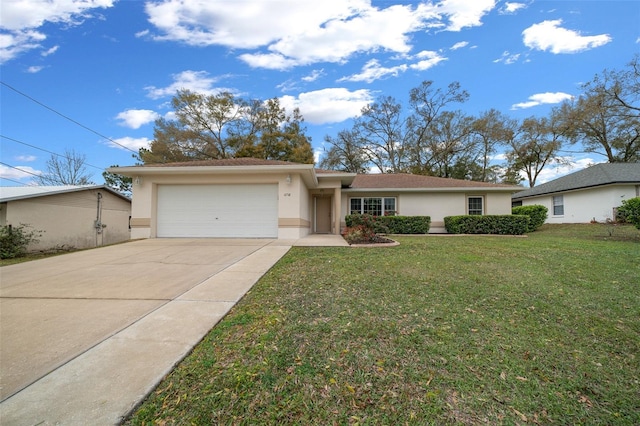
(591, 194)
(253, 198)
(70, 216)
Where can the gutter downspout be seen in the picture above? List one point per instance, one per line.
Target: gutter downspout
(98, 222)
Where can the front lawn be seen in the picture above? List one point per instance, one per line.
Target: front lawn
(543, 329)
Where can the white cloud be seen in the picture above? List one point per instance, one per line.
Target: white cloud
(142, 33)
(21, 18)
(50, 51)
(331, 105)
(543, 98)
(282, 35)
(14, 43)
(460, 45)
(195, 81)
(373, 71)
(564, 167)
(465, 13)
(272, 61)
(288, 86)
(34, 69)
(510, 8)
(313, 76)
(17, 15)
(135, 118)
(428, 59)
(507, 58)
(549, 35)
(19, 172)
(26, 158)
(248, 24)
(131, 143)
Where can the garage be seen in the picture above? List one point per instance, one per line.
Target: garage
(218, 211)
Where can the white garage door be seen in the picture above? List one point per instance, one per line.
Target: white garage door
(231, 211)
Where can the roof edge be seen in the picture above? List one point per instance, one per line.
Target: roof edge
(541, 194)
(437, 189)
(132, 171)
(66, 191)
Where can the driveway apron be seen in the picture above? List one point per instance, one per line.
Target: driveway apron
(85, 336)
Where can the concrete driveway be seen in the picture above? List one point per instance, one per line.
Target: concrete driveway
(85, 336)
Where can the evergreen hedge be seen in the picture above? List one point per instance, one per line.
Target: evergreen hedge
(391, 224)
(490, 224)
(536, 212)
(629, 211)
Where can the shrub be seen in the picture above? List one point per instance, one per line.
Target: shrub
(630, 211)
(359, 234)
(391, 224)
(15, 239)
(491, 224)
(537, 215)
(406, 224)
(370, 221)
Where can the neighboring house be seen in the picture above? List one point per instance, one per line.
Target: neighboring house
(592, 194)
(70, 216)
(253, 198)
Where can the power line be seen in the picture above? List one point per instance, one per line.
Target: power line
(66, 117)
(46, 150)
(23, 171)
(15, 181)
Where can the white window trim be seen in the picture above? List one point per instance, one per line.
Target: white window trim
(395, 203)
(553, 205)
(482, 200)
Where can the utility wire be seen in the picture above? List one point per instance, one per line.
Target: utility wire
(23, 171)
(15, 181)
(66, 117)
(46, 150)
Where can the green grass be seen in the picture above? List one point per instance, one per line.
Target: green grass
(438, 330)
(27, 258)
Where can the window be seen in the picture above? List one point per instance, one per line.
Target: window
(474, 205)
(558, 205)
(376, 206)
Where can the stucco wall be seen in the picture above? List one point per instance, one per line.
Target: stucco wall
(585, 205)
(293, 208)
(69, 219)
(437, 205)
(497, 203)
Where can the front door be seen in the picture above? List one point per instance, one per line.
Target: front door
(323, 215)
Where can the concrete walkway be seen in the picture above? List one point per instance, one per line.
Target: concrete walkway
(86, 336)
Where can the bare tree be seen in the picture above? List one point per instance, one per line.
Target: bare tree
(345, 153)
(491, 129)
(395, 141)
(67, 169)
(449, 142)
(606, 117)
(534, 146)
(383, 127)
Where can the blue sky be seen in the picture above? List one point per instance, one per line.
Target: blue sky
(113, 66)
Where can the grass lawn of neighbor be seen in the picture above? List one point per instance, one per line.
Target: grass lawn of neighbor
(541, 329)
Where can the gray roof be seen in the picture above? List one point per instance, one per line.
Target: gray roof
(597, 175)
(11, 193)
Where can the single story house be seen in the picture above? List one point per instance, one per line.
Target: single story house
(591, 194)
(254, 198)
(70, 216)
